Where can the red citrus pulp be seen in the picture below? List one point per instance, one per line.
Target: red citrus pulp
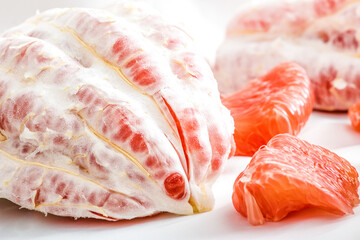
(279, 102)
(289, 174)
(354, 115)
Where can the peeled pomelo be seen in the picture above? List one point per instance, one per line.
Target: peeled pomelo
(320, 35)
(109, 115)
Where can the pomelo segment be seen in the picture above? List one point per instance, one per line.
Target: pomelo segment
(289, 174)
(279, 102)
(354, 116)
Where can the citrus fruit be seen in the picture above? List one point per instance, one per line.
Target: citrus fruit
(109, 115)
(289, 174)
(279, 102)
(354, 115)
(319, 35)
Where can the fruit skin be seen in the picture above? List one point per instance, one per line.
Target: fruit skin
(354, 116)
(289, 174)
(279, 102)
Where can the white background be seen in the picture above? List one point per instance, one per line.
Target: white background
(206, 21)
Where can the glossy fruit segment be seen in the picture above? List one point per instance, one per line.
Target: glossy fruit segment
(354, 116)
(279, 102)
(289, 174)
(319, 35)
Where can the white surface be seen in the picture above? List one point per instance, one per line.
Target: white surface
(206, 20)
